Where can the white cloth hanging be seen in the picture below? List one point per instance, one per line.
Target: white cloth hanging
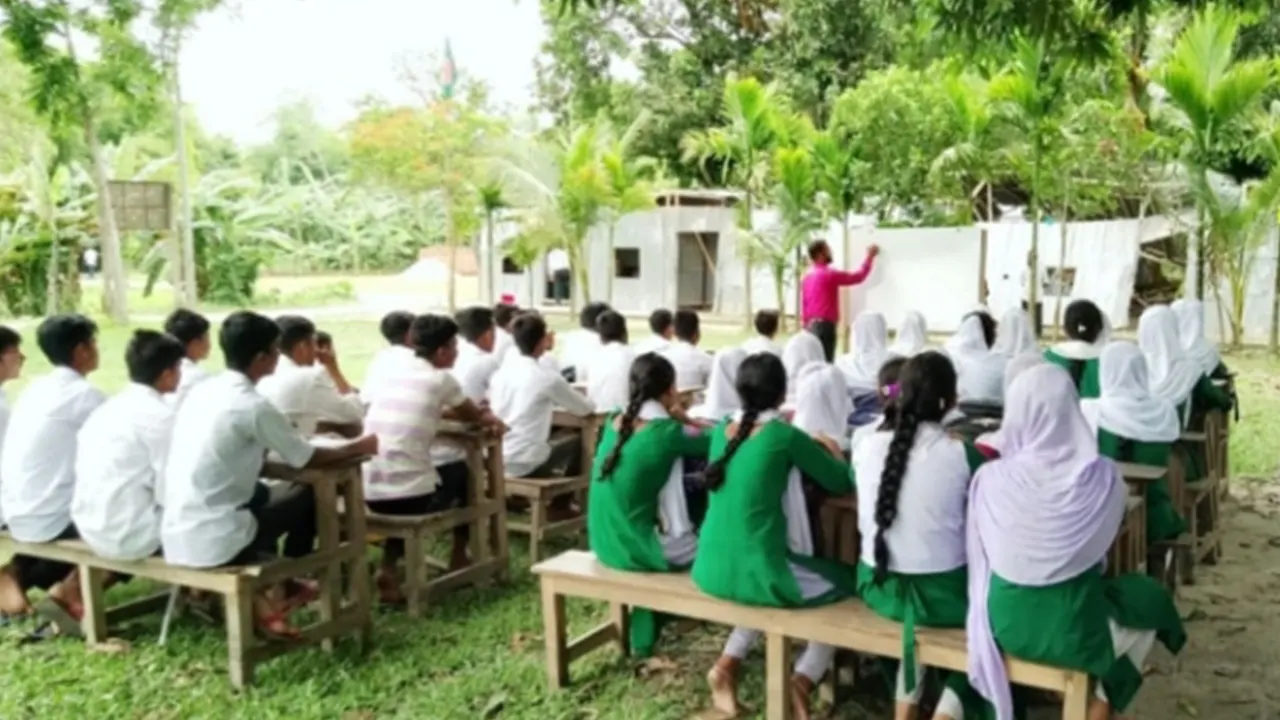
(1126, 406)
(861, 367)
(802, 349)
(1190, 314)
(1173, 375)
(721, 399)
(912, 336)
(673, 506)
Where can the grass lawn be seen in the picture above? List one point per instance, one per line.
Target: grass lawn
(476, 655)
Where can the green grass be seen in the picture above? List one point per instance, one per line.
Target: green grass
(476, 654)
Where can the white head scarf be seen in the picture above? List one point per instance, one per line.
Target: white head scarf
(1014, 337)
(1016, 367)
(822, 403)
(1190, 314)
(1173, 375)
(802, 349)
(861, 367)
(911, 337)
(722, 394)
(1126, 407)
(980, 373)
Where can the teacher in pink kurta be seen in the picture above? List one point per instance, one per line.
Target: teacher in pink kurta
(820, 292)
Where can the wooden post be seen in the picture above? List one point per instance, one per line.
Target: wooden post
(239, 619)
(94, 622)
(777, 677)
(554, 633)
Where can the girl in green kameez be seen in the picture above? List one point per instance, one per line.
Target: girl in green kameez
(1134, 426)
(637, 518)
(1087, 330)
(743, 551)
(913, 487)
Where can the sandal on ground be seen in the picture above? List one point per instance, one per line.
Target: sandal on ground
(275, 626)
(61, 617)
(44, 631)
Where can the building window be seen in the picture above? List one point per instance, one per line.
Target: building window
(626, 262)
(509, 267)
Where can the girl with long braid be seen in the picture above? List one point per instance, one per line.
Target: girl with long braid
(636, 514)
(913, 482)
(743, 550)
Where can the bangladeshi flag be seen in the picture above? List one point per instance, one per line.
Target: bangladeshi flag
(448, 72)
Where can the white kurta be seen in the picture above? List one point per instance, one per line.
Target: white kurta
(524, 395)
(576, 348)
(221, 436)
(4, 424)
(474, 370)
(693, 366)
(192, 375)
(120, 457)
(928, 535)
(503, 343)
(307, 395)
(406, 423)
(609, 377)
(761, 344)
(389, 361)
(38, 475)
(652, 343)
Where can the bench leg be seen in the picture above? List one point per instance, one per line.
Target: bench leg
(620, 616)
(1075, 698)
(777, 663)
(555, 633)
(94, 622)
(537, 517)
(169, 610)
(415, 571)
(239, 616)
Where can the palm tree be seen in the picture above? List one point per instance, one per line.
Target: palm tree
(492, 201)
(971, 160)
(753, 124)
(1211, 89)
(629, 190)
(795, 193)
(838, 168)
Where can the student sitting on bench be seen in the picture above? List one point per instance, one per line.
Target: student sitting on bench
(661, 323)
(610, 367)
(579, 346)
(394, 327)
(1085, 326)
(11, 360)
(766, 324)
(503, 343)
(309, 388)
(215, 510)
(192, 330)
(38, 468)
(693, 365)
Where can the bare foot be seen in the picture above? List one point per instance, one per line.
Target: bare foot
(724, 689)
(1099, 709)
(13, 601)
(801, 689)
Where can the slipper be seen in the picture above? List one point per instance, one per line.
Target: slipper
(42, 632)
(55, 613)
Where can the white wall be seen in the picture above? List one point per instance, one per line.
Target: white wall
(1259, 291)
(934, 271)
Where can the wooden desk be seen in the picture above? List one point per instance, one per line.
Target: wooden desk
(838, 517)
(486, 496)
(1138, 477)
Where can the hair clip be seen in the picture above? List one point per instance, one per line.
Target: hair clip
(890, 391)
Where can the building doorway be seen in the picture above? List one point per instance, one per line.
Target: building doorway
(696, 260)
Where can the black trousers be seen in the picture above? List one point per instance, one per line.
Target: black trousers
(287, 511)
(451, 493)
(34, 572)
(825, 330)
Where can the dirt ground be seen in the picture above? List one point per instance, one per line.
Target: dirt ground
(1230, 669)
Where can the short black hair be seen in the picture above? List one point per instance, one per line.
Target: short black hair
(429, 333)
(818, 247)
(474, 322)
(395, 326)
(528, 329)
(59, 336)
(612, 327)
(1083, 321)
(294, 329)
(504, 313)
(244, 336)
(660, 321)
(686, 323)
(186, 325)
(767, 322)
(324, 339)
(150, 353)
(9, 339)
(587, 316)
(988, 325)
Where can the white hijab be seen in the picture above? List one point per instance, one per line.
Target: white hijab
(1190, 314)
(1126, 407)
(1173, 375)
(802, 349)
(1014, 336)
(861, 367)
(1016, 367)
(911, 337)
(822, 403)
(722, 394)
(673, 506)
(979, 372)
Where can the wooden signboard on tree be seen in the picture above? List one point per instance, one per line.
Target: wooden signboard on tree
(142, 206)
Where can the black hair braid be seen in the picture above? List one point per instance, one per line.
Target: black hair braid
(895, 469)
(626, 426)
(713, 478)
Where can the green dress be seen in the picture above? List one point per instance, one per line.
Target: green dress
(742, 548)
(1163, 520)
(622, 509)
(1065, 625)
(1083, 371)
(1205, 397)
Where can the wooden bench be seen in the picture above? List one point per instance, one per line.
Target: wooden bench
(343, 610)
(1202, 499)
(541, 492)
(485, 514)
(1128, 554)
(849, 625)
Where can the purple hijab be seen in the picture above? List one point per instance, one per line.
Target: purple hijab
(1045, 512)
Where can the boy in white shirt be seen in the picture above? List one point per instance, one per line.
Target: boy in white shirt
(766, 330)
(524, 395)
(476, 360)
(121, 451)
(216, 511)
(11, 360)
(661, 323)
(403, 478)
(313, 395)
(192, 330)
(693, 366)
(388, 361)
(38, 467)
(579, 346)
(609, 386)
(503, 315)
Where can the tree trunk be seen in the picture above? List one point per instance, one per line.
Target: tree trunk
(1062, 262)
(613, 270)
(187, 253)
(52, 275)
(114, 282)
(846, 329)
(746, 266)
(1275, 304)
(453, 260)
(779, 284)
(491, 279)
